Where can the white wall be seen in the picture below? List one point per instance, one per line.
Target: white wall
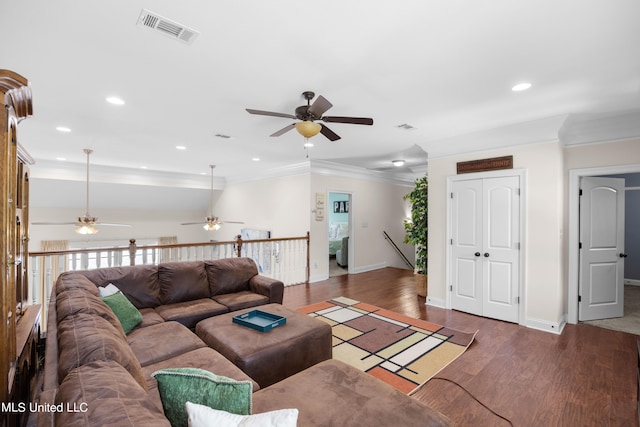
(279, 205)
(544, 278)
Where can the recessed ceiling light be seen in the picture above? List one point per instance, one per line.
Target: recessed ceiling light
(256, 159)
(115, 100)
(398, 163)
(61, 159)
(63, 129)
(521, 86)
(143, 167)
(180, 147)
(308, 144)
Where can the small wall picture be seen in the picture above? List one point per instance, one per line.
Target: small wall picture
(341, 206)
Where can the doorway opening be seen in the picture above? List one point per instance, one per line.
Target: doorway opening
(339, 232)
(632, 231)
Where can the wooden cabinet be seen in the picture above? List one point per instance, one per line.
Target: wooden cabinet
(15, 97)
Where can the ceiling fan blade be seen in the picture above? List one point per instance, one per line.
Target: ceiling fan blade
(194, 223)
(113, 225)
(319, 106)
(329, 133)
(53, 223)
(284, 130)
(352, 120)
(230, 222)
(270, 113)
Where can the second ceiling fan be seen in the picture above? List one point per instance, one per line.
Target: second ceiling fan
(211, 222)
(308, 114)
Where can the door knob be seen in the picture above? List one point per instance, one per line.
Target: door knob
(623, 255)
(477, 254)
(486, 254)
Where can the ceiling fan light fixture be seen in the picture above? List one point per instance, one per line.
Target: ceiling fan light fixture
(398, 163)
(308, 129)
(86, 229)
(211, 227)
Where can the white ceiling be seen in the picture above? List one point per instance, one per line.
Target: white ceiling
(444, 67)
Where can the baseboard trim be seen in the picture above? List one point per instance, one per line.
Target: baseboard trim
(366, 268)
(435, 302)
(546, 326)
(632, 282)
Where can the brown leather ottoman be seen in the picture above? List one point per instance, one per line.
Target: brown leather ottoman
(271, 356)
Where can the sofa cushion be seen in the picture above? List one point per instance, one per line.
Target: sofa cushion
(191, 312)
(333, 393)
(139, 283)
(149, 317)
(104, 393)
(162, 341)
(240, 300)
(73, 301)
(181, 385)
(204, 358)
(203, 416)
(127, 314)
(230, 275)
(74, 280)
(182, 281)
(85, 338)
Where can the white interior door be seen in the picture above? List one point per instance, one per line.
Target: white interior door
(485, 247)
(601, 288)
(501, 248)
(467, 230)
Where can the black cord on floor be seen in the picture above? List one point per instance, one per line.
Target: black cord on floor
(474, 398)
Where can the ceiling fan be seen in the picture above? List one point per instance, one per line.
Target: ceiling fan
(86, 224)
(308, 114)
(211, 222)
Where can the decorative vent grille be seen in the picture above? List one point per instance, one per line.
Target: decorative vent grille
(167, 27)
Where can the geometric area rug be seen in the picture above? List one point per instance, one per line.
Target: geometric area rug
(402, 351)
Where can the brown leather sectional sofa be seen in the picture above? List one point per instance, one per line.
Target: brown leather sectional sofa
(97, 375)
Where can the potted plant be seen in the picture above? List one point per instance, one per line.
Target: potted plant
(416, 230)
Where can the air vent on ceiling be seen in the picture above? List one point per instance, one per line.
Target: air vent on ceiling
(166, 27)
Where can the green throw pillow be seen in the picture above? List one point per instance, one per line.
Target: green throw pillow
(177, 386)
(127, 313)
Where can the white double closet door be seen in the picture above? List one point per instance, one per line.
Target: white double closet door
(485, 243)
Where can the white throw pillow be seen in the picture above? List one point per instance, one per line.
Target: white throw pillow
(110, 289)
(203, 416)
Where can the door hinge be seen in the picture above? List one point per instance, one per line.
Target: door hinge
(450, 288)
(580, 194)
(451, 242)
(580, 245)
(518, 245)
(579, 298)
(517, 300)
(518, 191)
(451, 195)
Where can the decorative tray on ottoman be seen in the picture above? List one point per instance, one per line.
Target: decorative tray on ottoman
(259, 320)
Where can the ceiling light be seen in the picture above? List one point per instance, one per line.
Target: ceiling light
(61, 159)
(211, 227)
(256, 159)
(308, 129)
(115, 100)
(520, 87)
(86, 229)
(398, 163)
(63, 129)
(180, 147)
(143, 167)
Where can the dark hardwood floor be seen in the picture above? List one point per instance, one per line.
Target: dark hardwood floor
(585, 377)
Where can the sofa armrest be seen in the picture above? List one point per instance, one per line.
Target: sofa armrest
(271, 288)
